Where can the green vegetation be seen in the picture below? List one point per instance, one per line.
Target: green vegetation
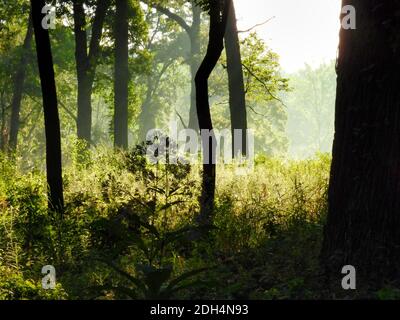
(128, 220)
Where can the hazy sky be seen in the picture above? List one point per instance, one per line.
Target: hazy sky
(303, 31)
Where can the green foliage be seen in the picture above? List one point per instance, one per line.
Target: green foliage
(311, 108)
(128, 231)
(264, 87)
(13, 286)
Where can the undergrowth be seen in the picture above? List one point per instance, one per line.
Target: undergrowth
(127, 231)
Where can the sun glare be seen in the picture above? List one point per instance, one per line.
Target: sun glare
(305, 31)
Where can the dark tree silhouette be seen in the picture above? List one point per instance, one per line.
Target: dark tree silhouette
(218, 11)
(19, 80)
(50, 108)
(121, 75)
(364, 205)
(237, 96)
(86, 61)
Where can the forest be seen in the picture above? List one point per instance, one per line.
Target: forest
(156, 150)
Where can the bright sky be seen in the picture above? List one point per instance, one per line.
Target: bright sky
(303, 31)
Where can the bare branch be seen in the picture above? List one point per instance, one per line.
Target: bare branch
(181, 119)
(257, 25)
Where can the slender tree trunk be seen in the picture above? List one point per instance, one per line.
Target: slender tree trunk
(147, 119)
(195, 51)
(121, 77)
(84, 118)
(86, 62)
(218, 16)
(237, 96)
(51, 117)
(19, 80)
(3, 128)
(193, 32)
(364, 204)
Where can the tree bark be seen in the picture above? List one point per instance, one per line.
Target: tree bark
(218, 16)
(237, 96)
(86, 62)
(195, 51)
(51, 117)
(3, 127)
(19, 80)
(363, 220)
(121, 76)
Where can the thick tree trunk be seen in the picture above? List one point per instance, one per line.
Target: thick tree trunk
(86, 62)
(237, 96)
(214, 51)
(19, 80)
(195, 51)
(121, 76)
(363, 221)
(51, 117)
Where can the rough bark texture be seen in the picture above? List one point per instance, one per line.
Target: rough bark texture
(19, 80)
(121, 76)
(237, 96)
(86, 62)
(363, 221)
(218, 17)
(50, 108)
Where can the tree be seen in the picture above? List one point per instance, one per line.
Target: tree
(50, 108)
(193, 31)
(86, 61)
(311, 108)
(121, 75)
(363, 218)
(218, 11)
(265, 88)
(18, 87)
(237, 96)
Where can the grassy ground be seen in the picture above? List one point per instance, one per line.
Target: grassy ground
(127, 231)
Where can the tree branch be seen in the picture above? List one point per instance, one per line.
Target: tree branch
(263, 83)
(179, 20)
(257, 25)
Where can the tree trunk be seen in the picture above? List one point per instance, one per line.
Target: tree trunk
(214, 51)
(363, 220)
(237, 96)
(147, 119)
(193, 32)
(51, 117)
(121, 76)
(86, 62)
(19, 80)
(3, 128)
(195, 51)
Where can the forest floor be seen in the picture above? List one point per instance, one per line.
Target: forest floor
(127, 231)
